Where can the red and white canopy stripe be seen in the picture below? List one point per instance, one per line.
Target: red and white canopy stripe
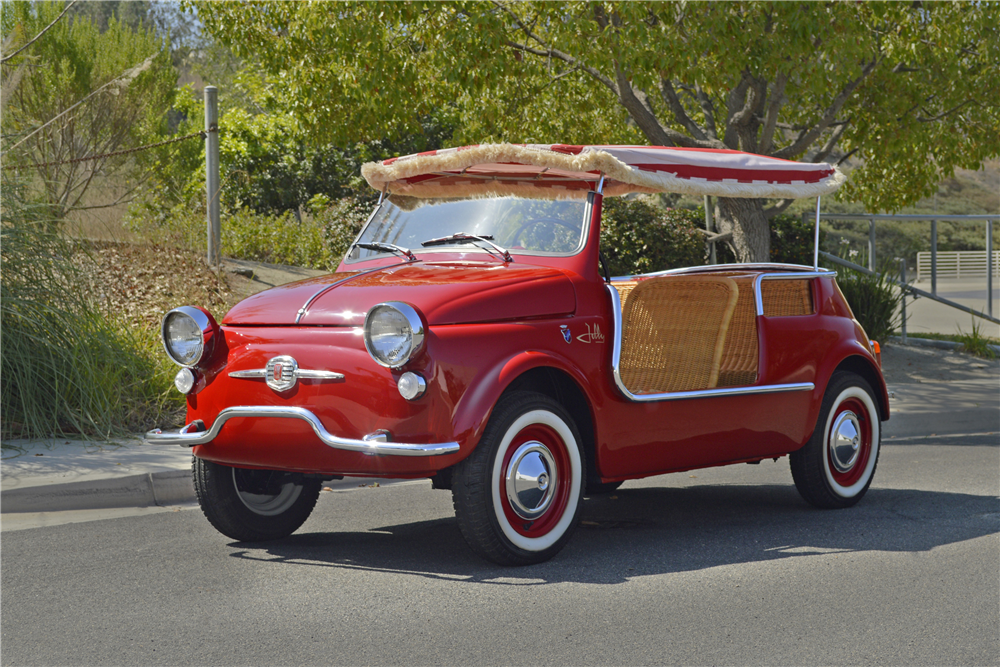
(558, 170)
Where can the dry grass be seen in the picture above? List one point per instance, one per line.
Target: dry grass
(142, 282)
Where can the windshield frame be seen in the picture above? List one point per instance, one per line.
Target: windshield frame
(471, 247)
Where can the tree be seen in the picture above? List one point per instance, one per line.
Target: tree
(78, 92)
(909, 90)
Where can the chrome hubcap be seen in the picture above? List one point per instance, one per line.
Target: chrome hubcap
(531, 480)
(845, 441)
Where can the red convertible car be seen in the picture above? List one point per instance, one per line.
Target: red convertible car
(470, 336)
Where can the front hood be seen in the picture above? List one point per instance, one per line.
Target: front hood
(445, 292)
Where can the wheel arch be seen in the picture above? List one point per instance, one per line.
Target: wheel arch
(866, 369)
(530, 370)
(564, 390)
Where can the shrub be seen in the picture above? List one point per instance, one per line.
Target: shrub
(68, 366)
(793, 240)
(316, 243)
(342, 222)
(975, 342)
(277, 239)
(639, 237)
(874, 299)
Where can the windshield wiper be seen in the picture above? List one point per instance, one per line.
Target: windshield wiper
(462, 237)
(388, 247)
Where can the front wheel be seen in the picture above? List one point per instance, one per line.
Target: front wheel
(517, 496)
(253, 505)
(835, 468)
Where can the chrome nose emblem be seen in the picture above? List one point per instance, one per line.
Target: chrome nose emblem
(280, 373)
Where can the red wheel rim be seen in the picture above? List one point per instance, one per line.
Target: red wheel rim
(843, 470)
(542, 525)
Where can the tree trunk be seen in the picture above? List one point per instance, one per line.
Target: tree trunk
(751, 231)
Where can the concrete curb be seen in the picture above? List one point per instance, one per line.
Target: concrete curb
(171, 487)
(939, 344)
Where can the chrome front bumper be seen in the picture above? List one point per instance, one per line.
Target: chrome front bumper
(374, 443)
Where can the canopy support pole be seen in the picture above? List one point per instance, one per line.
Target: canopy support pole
(816, 241)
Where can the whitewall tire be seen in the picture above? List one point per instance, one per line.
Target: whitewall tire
(835, 468)
(517, 496)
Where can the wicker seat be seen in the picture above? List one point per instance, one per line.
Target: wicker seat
(674, 332)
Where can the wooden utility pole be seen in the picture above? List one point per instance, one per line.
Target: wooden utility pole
(212, 174)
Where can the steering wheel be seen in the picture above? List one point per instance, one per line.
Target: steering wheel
(543, 221)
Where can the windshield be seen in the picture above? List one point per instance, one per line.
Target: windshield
(525, 226)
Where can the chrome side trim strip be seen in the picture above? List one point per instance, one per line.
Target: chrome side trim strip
(758, 297)
(366, 446)
(616, 355)
(725, 391)
(255, 373)
(304, 374)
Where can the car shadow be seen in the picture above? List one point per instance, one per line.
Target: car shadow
(638, 532)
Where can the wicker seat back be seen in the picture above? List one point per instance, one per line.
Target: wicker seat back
(740, 355)
(624, 288)
(783, 298)
(674, 331)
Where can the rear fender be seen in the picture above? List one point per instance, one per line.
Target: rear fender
(852, 355)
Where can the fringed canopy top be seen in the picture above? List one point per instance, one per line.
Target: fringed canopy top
(557, 171)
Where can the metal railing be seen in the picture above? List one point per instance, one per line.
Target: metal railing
(910, 289)
(935, 256)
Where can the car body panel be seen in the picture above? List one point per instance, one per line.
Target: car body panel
(449, 292)
(489, 323)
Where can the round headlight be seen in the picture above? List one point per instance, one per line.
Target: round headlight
(187, 332)
(394, 333)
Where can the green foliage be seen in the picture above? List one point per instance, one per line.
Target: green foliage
(268, 160)
(319, 241)
(639, 237)
(276, 239)
(175, 173)
(793, 240)
(342, 222)
(132, 13)
(67, 366)
(72, 60)
(910, 89)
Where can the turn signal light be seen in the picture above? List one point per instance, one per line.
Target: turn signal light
(877, 350)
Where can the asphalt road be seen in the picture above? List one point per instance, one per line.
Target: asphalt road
(720, 566)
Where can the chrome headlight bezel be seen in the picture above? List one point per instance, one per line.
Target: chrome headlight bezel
(202, 321)
(414, 338)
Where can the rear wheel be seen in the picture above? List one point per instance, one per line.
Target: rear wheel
(835, 468)
(517, 496)
(253, 505)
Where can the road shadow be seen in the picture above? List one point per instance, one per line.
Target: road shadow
(638, 532)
